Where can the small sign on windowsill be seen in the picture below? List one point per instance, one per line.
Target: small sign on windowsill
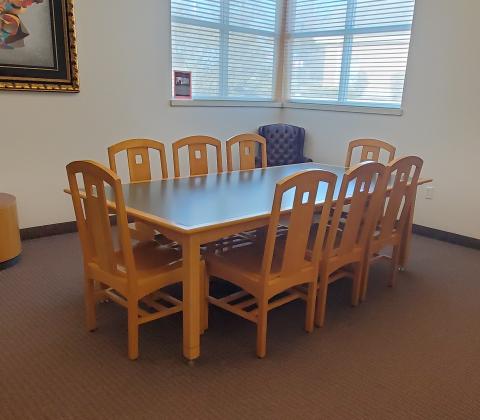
(182, 84)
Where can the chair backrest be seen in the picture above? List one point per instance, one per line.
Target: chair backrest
(304, 186)
(92, 214)
(139, 165)
(284, 143)
(197, 154)
(362, 190)
(247, 145)
(370, 150)
(402, 175)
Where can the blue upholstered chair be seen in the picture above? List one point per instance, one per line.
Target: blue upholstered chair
(284, 144)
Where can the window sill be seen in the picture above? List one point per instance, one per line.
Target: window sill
(288, 105)
(224, 103)
(343, 108)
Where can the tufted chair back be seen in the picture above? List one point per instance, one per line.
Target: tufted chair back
(284, 144)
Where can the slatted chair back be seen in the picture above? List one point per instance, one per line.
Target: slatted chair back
(197, 154)
(304, 186)
(365, 186)
(370, 150)
(403, 175)
(247, 145)
(139, 164)
(92, 215)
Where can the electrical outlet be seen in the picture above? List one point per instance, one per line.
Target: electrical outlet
(429, 193)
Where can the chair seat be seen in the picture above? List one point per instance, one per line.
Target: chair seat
(156, 267)
(229, 242)
(244, 263)
(152, 259)
(336, 262)
(248, 258)
(145, 232)
(379, 242)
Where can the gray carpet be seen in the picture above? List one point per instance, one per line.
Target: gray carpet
(408, 353)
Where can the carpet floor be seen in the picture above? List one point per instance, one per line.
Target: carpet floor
(412, 352)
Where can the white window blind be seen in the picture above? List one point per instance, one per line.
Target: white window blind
(230, 46)
(348, 52)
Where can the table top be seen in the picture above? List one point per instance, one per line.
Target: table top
(198, 203)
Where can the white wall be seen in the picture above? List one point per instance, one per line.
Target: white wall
(125, 86)
(124, 60)
(441, 120)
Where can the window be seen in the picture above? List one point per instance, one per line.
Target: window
(336, 52)
(230, 46)
(348, 52)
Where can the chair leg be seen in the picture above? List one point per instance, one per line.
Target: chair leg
(90, 305)
(357, 283)
(365, 275)
(262, 328)
(132, 329)
(321, 299)
(396, 253)
(310, 312)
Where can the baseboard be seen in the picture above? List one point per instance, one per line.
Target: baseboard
(70, 227)
(48, 230)
(55, 229)
(443, 236)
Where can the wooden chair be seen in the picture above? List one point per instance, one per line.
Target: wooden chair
(371, 150)
(139, 165)
(403, 175)
(197, 154)
(247, 151)
(285, 144)
(128, 275)
(267, 272)
(346, 244)
(140, 170)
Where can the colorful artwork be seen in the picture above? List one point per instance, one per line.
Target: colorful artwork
(37, 45)
(12, 30)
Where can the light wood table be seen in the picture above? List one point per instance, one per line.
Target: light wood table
(197, 210)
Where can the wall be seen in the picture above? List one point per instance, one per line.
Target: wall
(125, 86)
(125, 78)
(441, 120)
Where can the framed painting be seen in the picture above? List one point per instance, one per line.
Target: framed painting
(37, 46)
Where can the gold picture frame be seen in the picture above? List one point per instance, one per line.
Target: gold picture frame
(63, 75)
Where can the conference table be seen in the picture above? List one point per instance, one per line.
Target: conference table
(198, 210)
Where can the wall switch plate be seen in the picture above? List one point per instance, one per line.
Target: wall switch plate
(429, 193)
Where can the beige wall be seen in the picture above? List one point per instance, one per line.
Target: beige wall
(441, 120)
(125, 87)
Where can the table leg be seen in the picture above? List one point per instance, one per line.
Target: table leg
(406, 240)
(191, 298)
